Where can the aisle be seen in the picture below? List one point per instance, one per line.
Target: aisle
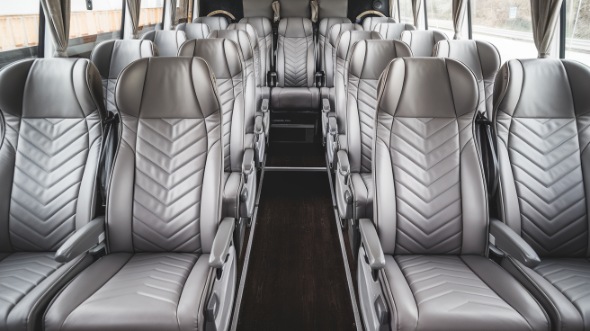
(296, 278)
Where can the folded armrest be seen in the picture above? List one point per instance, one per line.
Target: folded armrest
(326, 105)
(258, 124)
(81, 241)
(332, 125)
(372, 244)
(343, 165)
(248, 162)
(509, 242)
(222, 242)
(332, 139)
(264, 105)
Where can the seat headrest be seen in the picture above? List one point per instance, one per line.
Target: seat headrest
(112, 56)
(480, 56)
(262, 25)
(214, 22)
(239, 37)
(427, 87)
(249, 29)
(327, 23)
(167, 41)
(393, 31)
(422, 42)
(349, 38)
(167, 87)
(222, 55)
(369, 58)
(194, 30)
(337, 29)
(370, 22)
(51, 88)
(542, 88)
(295, 27)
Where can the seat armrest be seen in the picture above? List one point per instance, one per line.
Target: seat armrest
(81, 241)
(343, 165)
(222, 243)
(372, 244)
(326, 105)
(332, 125)
(509, 242)
(248, 162)
(258, 124)
(264, 105)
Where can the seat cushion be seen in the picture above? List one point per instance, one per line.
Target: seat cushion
(295, 98)
(458, 293)
(144, 291)
(362, 184)
(28, 281)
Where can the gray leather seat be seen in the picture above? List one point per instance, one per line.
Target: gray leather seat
(194, 30)
(111, 57)
(167, 42)
(295, 66)
(336, 124)
(167, 243)
(264, 32)
(236, 89)
(422, 42)
(541, 121)
(51, 131)
(354, 179)
(324, 28)
(259, 72)
(369, 23)
(393, 31)
(427, 243)
(214, 22)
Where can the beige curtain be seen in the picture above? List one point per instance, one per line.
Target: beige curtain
(416, 4)
(545, 14)
(57, 14)
(459, 9)
(315, 9)
(134, 7)
(276, 9)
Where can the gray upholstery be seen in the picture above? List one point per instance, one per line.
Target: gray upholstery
(541, 122)
(167, 42)
(367, 61)
(324, 28)
(482, 58)
(51, 115)
(295, 66)
(369, 23)
(194, 30)
(392, 31)
(164, 206)
(264, 32)
(259, 63)
(330, 48)
(422, 42)
(214, 22)
(111, 57)
(431, 206)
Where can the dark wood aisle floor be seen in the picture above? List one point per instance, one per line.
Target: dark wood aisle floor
(295, 155)
(296, 278)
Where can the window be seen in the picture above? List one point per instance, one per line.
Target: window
(577, 30)
(19, 30)
(440, 16)
(506, 24)
(151, 13)
(182, 9)
(405, 11)
(89, 26)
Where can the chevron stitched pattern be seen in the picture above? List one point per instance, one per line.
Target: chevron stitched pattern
(50, 162)
(229, 90)
(295, 50)
(109, 94)
(425, 156)
(154, 278)
(365, 93)
(545, 159)
(20, 273)
(445, 284)
(570, 276)
(170, 162)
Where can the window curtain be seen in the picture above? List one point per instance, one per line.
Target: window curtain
(57, 14)
(545, 14)
(416, 4)
(134, 7)
(459, 9)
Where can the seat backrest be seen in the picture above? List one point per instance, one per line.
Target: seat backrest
(422, 42)
(263, 29)
(479, 56)
(214, 22)
(369, 23)
(194, 30)
(368, 60)
(330, 48)
(259, 63)
(295, 53)
(324, 28)
(167, 42)
(111, 57)
(169, 158)
(430, 195)
(541, 118)
(51, 131)
(393, 31)
(233, 85)
(341, 58)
